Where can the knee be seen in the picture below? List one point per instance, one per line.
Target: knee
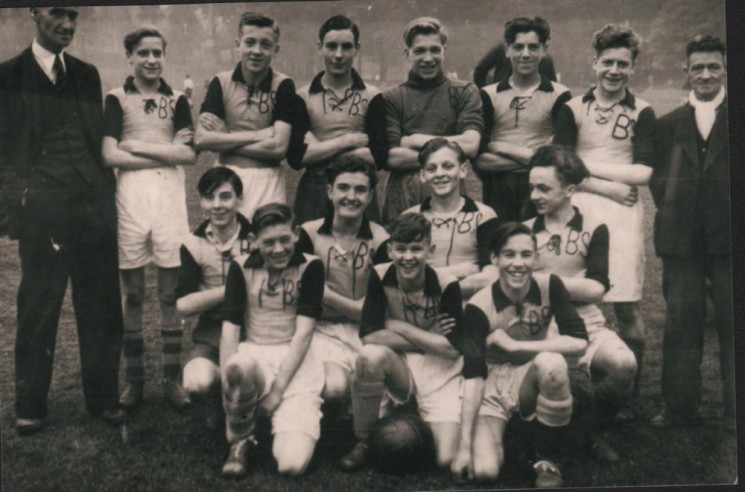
(200, 377)
(239, 369)
(488, 471)
(552, 371)
(371, 362)
(336, 387)
(291, 464)
(445, 457)
(167, 296)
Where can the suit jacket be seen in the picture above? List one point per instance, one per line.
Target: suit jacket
(692, 197)
(21, 117)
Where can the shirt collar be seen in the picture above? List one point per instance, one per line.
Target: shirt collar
(714, 103)
(328, 221)
(468, 206)
(416, 82)
(431, 282)
(45, 58)
(316, 85)
(574, 223)
(163, 88)
(545, 85)
(255, 259)
(501, 301)
(629, 100)
(243, 229)
(266, 83)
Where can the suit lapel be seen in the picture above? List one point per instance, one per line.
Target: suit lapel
(686, 134)
(718, 139)
(30, 90)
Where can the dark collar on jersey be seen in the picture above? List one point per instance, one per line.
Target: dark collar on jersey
(255, 260)
(266, 83)
(574, 223)
(316, 86)
(328, 221)
(416, 82)
(501, 301)
(545, 85)
(628, 100)
(163, 88)
(431, 282)
(468, 206)
(243, 223)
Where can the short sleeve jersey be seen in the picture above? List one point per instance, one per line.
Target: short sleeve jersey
(249, 107)
(347, 272)
(268, 311)
(462, 237)
(579, 249)
(524, 119)
(490, 309)
(623, 133)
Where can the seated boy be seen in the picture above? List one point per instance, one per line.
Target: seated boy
(513, 364)
(461, 227)
(273, 297)
(411, 314)
(348, 244)
(205, 257)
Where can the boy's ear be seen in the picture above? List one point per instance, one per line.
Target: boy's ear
(388, 248)
(494, 259)
(252, 238)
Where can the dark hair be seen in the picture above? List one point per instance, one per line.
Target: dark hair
(568, 166)
(705, 44)
(424, 25)
(410, 227)
(616, 36)
(351, 164)
(525, 24)
(132, 39)
(258, 20)
(272, 214)
(506, 231)
(215, 177)
(339, 23)
(436, 144)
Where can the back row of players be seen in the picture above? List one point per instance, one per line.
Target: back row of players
(291, 316)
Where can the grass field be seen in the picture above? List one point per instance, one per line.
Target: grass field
(166, 450)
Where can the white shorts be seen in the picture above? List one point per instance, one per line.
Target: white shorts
(300, 410)
(151, 207)
(260, 186)
(437, 384)
(502, 391)
(338, 343)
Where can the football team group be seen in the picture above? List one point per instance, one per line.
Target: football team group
(454, 313)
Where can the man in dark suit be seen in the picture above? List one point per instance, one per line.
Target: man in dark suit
(690, 186)
(58, 201)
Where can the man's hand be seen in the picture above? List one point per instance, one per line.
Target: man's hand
(501, 340)
(130, 146)
(271, 402)
(462, 466)
(443, 325)
(185, 136)
(626, 195)
(356, 139)
(212, 123)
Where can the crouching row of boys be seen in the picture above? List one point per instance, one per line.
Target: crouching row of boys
(340, 307)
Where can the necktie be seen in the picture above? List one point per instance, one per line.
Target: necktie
(59, 71)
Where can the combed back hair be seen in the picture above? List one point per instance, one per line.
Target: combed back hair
(272, 214)
(132, 39)
(570, 169)
(409, 228)
(351, 164)
(216, 177)
(339, 23)
(616, 36)
(436, 144)
(525, 24)
(258, 20)
(705, 44)
(506, 231)
(424, 25)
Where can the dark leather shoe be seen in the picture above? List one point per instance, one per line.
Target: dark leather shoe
(132, 396)
(28, 427)
(175, 395)
(354, 459)
(114, 416)
(603, 451)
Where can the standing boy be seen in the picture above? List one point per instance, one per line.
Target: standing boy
(148, 138)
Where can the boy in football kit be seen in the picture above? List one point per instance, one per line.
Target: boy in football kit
(247, 114)
(574, 246)
(205, 257)
(147, 139)
(273, 297)
(410, 316)
(613, 132)
(344, 115)
(519, 113)
(427, 105)
(348, 244)
(462, 228)
(512, 364)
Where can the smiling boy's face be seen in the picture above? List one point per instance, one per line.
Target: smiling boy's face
(516, 261)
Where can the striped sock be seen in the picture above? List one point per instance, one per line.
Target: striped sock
(133, 348)
(171, 339)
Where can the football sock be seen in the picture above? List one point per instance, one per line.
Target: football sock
(366, 397)
(240, 396)
(133, 348)
(171, 340)
(553, 413)
(636, 345)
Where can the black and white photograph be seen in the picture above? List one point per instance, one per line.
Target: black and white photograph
(367, 245)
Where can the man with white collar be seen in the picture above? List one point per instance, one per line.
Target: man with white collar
(690, 186)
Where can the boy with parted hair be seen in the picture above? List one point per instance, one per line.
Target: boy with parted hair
(248, 115)
(345, 116)
(411, 320)
(148, 138)
(427, 105)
